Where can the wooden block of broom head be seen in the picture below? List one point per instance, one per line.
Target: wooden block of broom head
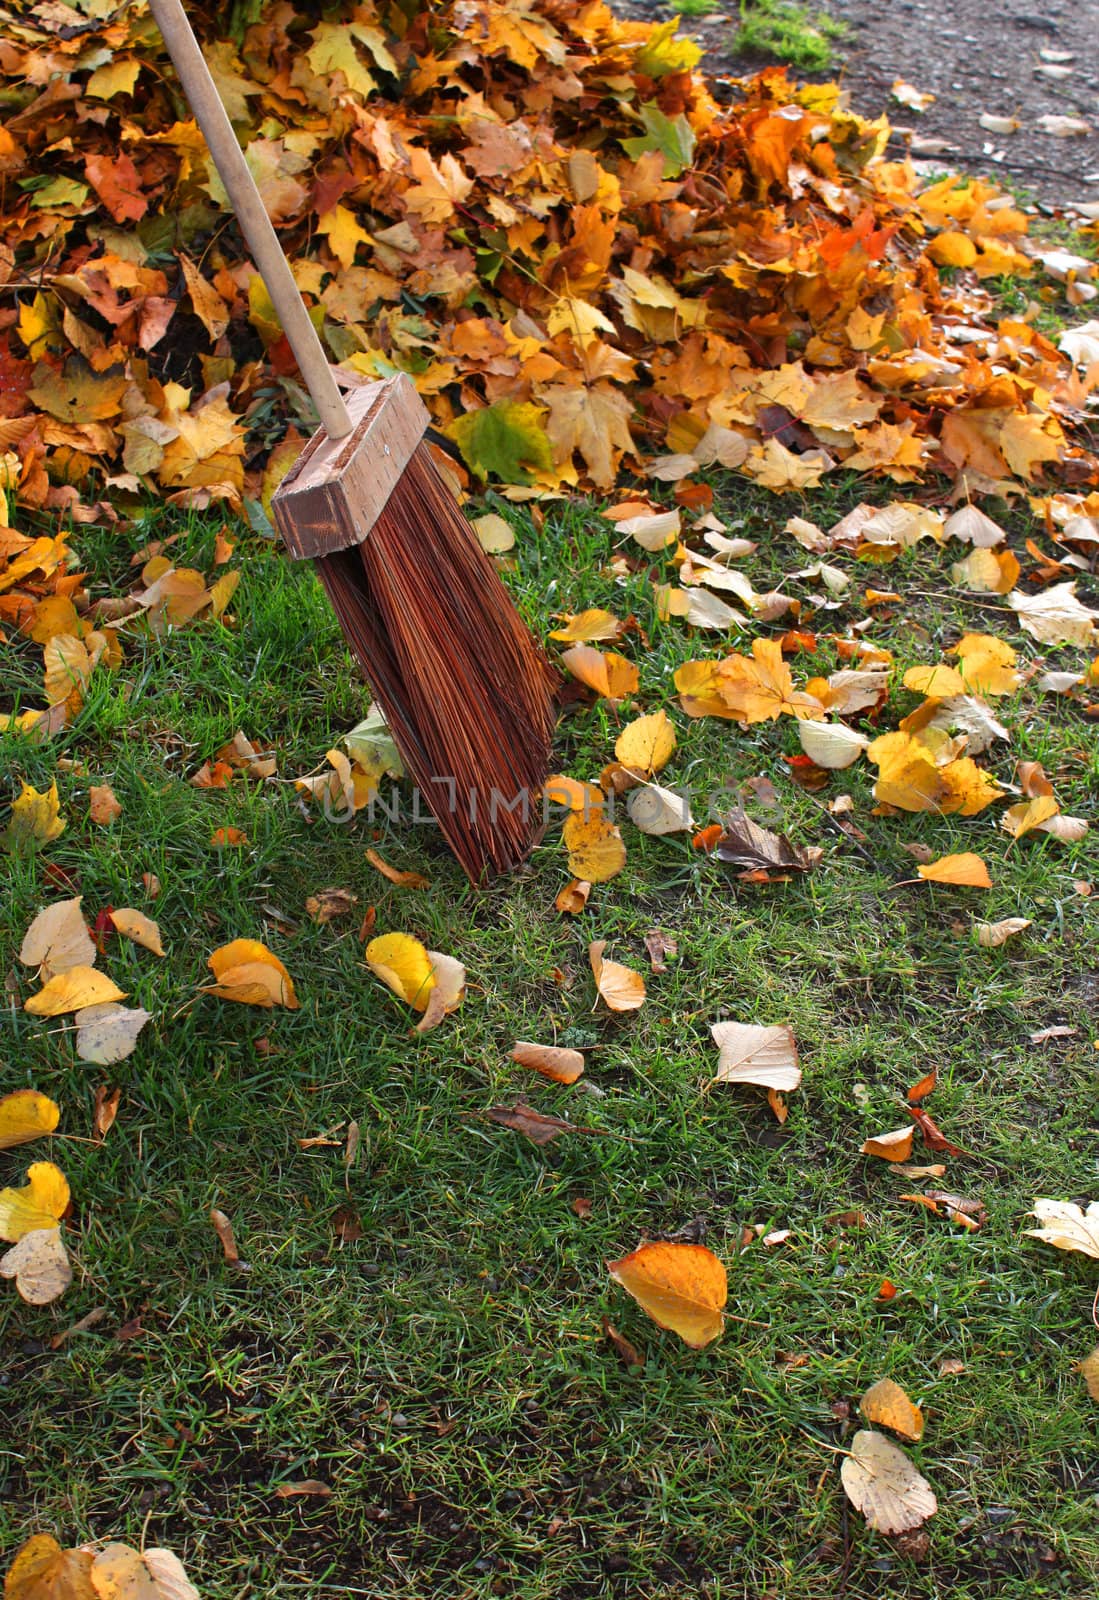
(337, 488)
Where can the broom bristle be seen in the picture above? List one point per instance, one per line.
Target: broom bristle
(467, 692)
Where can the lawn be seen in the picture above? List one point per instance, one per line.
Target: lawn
(445, 1373)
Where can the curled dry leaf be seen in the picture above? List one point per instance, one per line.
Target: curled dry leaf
(965, 871)
(447, 992)
(103, 805)
(620, 987)
(991, 935)
(39, 1263)
(403, 880)
(250, 974)
(959, 1208)
(58, 940)
(682, 1287)
(886, 1404)
(228, 1239)
(309, 1486)
(328, 904)
(536, 1127)
(73, 990)
(25, 1115)
(1055, 615)
(894, 1146)
(572, 899)
(108, 1033)
(563, 1066)
(586, 627)
(1066, 1226)
(882, 1483)
(138, 927)
(745, 844)
(627, 1352)
(107, 1102)
(759, 1055)
(659, 945)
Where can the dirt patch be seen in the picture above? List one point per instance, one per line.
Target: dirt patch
(975, 58)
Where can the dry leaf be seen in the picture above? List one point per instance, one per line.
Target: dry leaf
(39, 1263)
(883, 1484)
(627, 1353)
(533, 1124)
(587, 626)
(609, 674)
(752, 1054)
(659, 945)
(965, 871)
(1089, 1369)
(105, 1110)
(223, 838)
(250, 974)
(447, 990)
(224, 1230)
(658, 811)
(41, 1203)
(563, 1066)
(305, 1486)
(832, 745)
(596, 850)
(138, 927)
(41, 1570)
(328, 904)
(682, 1287)
(1065, 1225)
(108, 1033)
(25, 1115)
(746, 844)
(73, 990)
(646, 744)
(572, 899)
(403, 880)
(620, 987)
(103, 807)
(58, 940)
(886, 1403)
(119, 1573)
(1056, 616)
(894, 1146)
(991, 935)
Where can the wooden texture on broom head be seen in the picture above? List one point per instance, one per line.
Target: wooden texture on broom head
(467, 692)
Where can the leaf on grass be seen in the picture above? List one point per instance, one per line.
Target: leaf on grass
(882, 1483)
(921, 1089)
(41, 1203)
(227, 1238)
(328, 904)
(1065, 1225)
(58, 940)
(119, 1573)
(832, 745)
(588, 626)
(991, 935)
(304, 1486)
(413, 973)
(39, 1263)
(624, 1349)
(225, 838)
(403, 880)
(1056, 616)
(41, 1570)
(494, 534)
(745, 844)
(620, 987)
(965, 871)
(596, 849)
(971, 525)
(659, 945)
(1089, 1369)
(682, 1287)
(108, 1033)
(35, 819)
(572, 899)
(933, 1136)
(893, 1146)
(137, 926)
(764, 1056)
(967, 1213)
(73, 990)
(646, 744)
(533, 1124)
(107, 1102)
(658, 811)
(608, 673)
(251, 975)
(552, 1061)
(25, 1115)
(447, 993)
(103, 805)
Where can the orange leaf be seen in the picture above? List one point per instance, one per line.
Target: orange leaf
(621, 987)
(563, 1066)
(965, 871)
(609, 674)
(887, 1404)
(894, 1146)
(682, 1287)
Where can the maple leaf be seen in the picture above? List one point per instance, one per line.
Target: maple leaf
(593, 421)
(506, 440)
(760, 688)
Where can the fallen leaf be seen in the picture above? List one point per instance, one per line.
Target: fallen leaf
(108, 1033)
(832, 745)
(533, 1124)
(103, 806)
(41, 1570)
(682, 1287)
(932, 1135)
(563, 1066)
(748, 1053)
(906, 94)
(228, 1239)
(25, 1115)
(403, 880)
(646, 744)
(572, 899)
(882, 1483)
(73, 990)
(745, 844)
(1089, 1369)
(35, 819)
(119, 1573)
(105, 1110)
(328, 904)
(447, 992)
(991, 935)
(581, 1206)
(627, 1353)
(969, 1214)
(224, 838)
(250, 974)
(41, 1203)
(658, 811)
(138, 927)
(966, 871)
(620, 987)
(893, 1146)
(588, 626)
(304, 1486)
(1064, 1224)
(58, 940)
(1058, 1031)
(921, 1090)
(886, 1404)
(609, 674)
(595, 846)
(39, 1263)
(1056, 616)
(494, 534)
(659, 945)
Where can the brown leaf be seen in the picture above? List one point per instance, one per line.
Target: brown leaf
(627, 1353)
(932, 1134)
(552, 1061)
(920, 1090)
(304, 1486)
(582, 1207)
(348, 1227)
(224, 1230)
(573, 897)
(886, 1403)
(403, 880)
(745, 844)
(103, 807)
(659, 945)
(328, 904)
(107, 1102)
(536, 1127)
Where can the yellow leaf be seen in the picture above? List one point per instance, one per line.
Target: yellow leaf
(35, 819)
(404, 965)
(588, 625)
(1089, 1367)
(886, 1403)
(72, 991)
(592, 421)
(1028, 815)
(119, 1573)
(761, 689)
(250, 974)
(595, 847)
(43, 1571)
(965, 871)
(647, 743)
(940, 682)
(40, 1204)
(987, 571)
(58, 939)
(573, 793)
(114, 77)
(137, 926)
(608, 673)
(987, 664)
(699, 688)
(883, 1484)
(894, 1146)
(447, 991)
(495, 535)
(24, 1115)
(832, 745)
(345, 234)
(39, 1263)
(682, 1287)
(621, 988)
(991, 935)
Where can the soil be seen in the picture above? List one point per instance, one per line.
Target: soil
(975, 57)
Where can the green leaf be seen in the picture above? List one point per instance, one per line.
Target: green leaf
(507, 439)
(662, 53)
(672, 136)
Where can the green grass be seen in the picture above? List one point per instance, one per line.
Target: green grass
(445, 1373)
(789, 32)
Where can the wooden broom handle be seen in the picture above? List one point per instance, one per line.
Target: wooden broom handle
(251, 213)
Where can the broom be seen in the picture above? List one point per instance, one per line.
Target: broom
(467, 692)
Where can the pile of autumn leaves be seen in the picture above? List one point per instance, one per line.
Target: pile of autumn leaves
(539, 213)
